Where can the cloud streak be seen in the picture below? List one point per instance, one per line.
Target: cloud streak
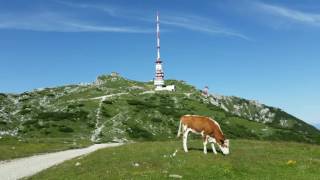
(93, 28)
(53, 22)
(60, 20)
(110, 10)
(291, 14)
(189, 22)
(200, 24)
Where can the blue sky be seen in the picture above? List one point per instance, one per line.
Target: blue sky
(262, 50)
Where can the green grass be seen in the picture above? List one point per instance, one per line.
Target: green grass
(249, 159)
(11, 148)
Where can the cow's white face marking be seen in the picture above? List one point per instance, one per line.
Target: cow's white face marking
(225, 147)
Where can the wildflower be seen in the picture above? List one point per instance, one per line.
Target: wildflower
(291, 162)
(175, 176)
(174, 154)
(136, 164)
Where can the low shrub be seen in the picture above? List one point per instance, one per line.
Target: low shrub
(65, 129)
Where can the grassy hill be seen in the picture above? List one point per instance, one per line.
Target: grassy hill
(249, 159)
(117, 109)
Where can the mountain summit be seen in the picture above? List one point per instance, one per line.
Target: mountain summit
(114, 108)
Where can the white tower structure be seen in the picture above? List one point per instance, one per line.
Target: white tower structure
(205, 91)
(159, 79)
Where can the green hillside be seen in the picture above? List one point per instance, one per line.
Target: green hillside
(117, 109)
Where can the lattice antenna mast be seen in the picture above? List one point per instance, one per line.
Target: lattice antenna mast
(159, 79)
(158, 37)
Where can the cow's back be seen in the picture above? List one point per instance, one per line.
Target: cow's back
(203, 124)
(197, 123)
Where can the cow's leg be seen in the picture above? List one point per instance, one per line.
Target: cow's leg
(213, 148)
(185, 138)
(212, 141)
(205, 141)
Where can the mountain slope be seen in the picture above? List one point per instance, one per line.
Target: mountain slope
(117, 109)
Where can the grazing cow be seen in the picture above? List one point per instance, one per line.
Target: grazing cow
(208, 128)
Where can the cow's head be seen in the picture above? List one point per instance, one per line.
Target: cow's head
(225, 147)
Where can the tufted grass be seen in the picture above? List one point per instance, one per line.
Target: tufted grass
(11, 148)
(249, 159)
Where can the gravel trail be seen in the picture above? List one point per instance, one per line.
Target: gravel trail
(23, 167)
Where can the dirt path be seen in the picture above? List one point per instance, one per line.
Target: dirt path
(23, 167)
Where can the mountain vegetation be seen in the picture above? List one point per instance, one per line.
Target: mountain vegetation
(115, 109)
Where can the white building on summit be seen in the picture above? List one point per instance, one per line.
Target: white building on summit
(159, 79)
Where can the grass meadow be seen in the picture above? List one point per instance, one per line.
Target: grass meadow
(11, 148)
(249, 159)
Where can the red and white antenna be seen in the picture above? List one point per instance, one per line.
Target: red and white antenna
(158, 37)
(159, 79)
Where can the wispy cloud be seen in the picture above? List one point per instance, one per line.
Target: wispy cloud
(189, 22)
(52, 20)
(290, 14)
(111, 10)
(200, 24)
(57, 22)
(60, 20)
(93, 28)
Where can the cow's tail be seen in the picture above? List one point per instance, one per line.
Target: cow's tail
(180, 129)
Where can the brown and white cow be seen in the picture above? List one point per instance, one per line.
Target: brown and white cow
(208, 128)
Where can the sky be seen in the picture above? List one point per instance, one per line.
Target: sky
(259, 50)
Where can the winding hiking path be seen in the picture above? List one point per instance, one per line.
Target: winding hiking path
(23, 167)
(98, 125)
